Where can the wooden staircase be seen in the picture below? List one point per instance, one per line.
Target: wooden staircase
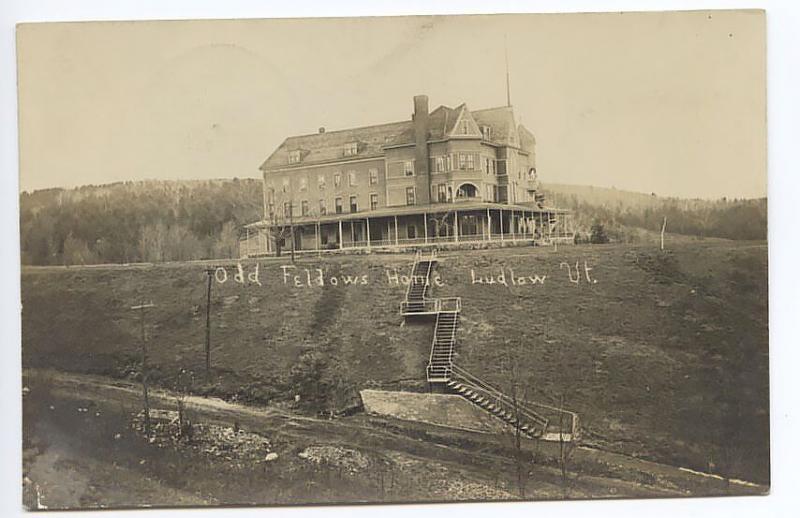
(532, 420)
(440, 363)
(417, 301)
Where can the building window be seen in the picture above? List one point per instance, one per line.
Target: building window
(271, 209)
(373, 176)
(449, 162)
(338, 204)
(285, 185)
(439, 164)
(353, 204)
(304, 207)
(471, 162)
(303, 183)
(287, 209)
(486, 131)
(464, 127)
(321, 182)
(442, 193)
(462, 161)
(323, 209)
(337, 179)
(351, 149)
(410, 196)
(351, 178)
(294, 156)
(373, 201)
(408, 168)
(411, 231)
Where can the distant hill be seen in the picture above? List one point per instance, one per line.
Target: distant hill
(147, 221)
(156, 220)
(626, 213)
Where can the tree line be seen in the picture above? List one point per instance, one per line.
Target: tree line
(154, 221)
(737, 219)
(150, 221)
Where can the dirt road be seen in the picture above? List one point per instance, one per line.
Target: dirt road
(80, 450)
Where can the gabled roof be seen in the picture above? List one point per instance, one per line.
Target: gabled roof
(463, 114)
(501, 120)
(325, 147)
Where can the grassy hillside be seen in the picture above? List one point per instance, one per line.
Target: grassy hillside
(665, 356)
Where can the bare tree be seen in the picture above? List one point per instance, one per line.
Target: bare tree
(442, 223)
(280, 220)
(183, 385)
(516, 389)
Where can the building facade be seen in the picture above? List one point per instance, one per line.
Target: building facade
(447, 176)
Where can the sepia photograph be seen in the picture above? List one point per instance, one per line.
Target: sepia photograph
(393, 259)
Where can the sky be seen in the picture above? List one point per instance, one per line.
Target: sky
(670, 103)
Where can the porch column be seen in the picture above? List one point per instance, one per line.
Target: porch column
(352, 234)
(425, 225)
(341, 241)
(488, 223)
(455, 225)
(501, 224)
(514, 228)
(368, 241)
(316, 235)
(396, 233)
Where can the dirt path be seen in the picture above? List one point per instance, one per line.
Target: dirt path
(448, 464)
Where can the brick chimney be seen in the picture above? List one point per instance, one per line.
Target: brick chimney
(420, 119)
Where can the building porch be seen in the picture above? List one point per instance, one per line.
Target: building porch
(439, 225)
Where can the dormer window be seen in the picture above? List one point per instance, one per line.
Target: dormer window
(351, 149)
(486, 131)
(294, 156)
(464, 127)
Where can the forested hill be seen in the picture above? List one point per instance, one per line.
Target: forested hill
(128, 222)
(152, 221)
(623, 212)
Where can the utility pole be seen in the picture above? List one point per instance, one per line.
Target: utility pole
(141, 307)
(209, 274)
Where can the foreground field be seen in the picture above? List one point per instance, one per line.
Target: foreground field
(663, 355)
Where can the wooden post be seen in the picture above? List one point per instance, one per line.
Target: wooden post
(317, 237)
(455, 224)
(663, 228)
(514, 226)
(396, 233)
(368, 240)
(146, 400)
(501, 224)
(425, 225)
(489, 223)
(208, 322)
(341, 239)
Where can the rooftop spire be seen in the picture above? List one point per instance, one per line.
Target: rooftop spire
(508, 76)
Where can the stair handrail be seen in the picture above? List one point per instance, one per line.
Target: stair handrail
(500, 396)
(417, 257)
(433, 344)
